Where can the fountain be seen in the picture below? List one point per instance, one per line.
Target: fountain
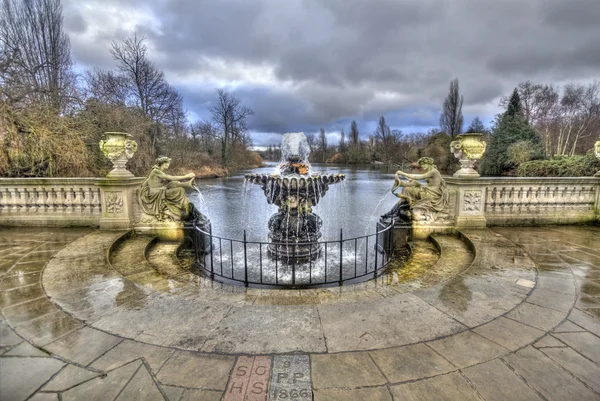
(294, 230)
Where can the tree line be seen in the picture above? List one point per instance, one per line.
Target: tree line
(52, 118)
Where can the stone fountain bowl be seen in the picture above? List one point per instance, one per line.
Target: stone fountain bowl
(295, 181)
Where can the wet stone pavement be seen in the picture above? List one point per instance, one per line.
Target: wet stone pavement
(92, 315)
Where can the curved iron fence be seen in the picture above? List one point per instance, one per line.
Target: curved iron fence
(239, 261)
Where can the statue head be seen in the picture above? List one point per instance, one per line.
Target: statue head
(162, 161)
(426, 163)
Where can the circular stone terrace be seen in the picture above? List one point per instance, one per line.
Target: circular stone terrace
(492, 314)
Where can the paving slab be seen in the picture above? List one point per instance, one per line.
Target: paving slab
(347, 369)
(26, 349)
(549, 379)
(8, 337)
(450, 387)
(537, 316)
(360, 394)
(585, 343)
(586, 321)
(410, 363)
(508, 333)
(103, 388)
(48, 328)
(172, 393)
(28, 311)
(568, 327)
(21, 377)
(585, 370)
(83, 346)
(548, 341)
(466, 349)
(69, 377)
(552, 300)
(204, 395)
(19, 280)
(141, 388)
(495, 381)
(290, 379)
(128, 351)
(195, 370)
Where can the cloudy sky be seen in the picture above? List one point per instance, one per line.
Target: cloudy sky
(306, 64)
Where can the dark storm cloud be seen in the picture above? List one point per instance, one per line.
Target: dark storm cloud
(327, 62)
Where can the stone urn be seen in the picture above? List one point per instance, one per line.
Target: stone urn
(597, 152)
(468, 148)
(118, 147)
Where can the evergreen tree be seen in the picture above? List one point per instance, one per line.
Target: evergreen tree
(354, 134)
(514, 105)
(476, 126)
(451, 119)
(342, 141)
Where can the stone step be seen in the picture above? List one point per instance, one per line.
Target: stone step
(129, 257)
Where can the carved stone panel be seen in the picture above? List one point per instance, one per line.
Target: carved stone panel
(114, 202)
(472, 201)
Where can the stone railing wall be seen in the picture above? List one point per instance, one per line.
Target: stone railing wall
(67, 202)
(524, 201)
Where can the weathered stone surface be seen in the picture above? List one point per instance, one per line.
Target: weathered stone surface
(27, 311)
(69, 377)
(586, 321)
(550, 299)
(586, 343)
(141, 388)
(410, 363)
(536, 316)
(546, 377)
(508, 333)
(191, 369)
(496, 382)
(7, 335)
(103, 388)
(361, 394)
(128, 351)
(348, 369)
(22, 280)
(20, 295)
(451, 386)
(172, 393)
(204, 395)
(548, 341)
(468, 348)
(26, 349)
(83, 346)
(21, 377)
(586, 371)
(48, 328)
(568, 327)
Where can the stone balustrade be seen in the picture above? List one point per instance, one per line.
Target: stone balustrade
(67, 202)
(524, 201)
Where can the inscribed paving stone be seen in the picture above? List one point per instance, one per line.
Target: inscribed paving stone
(410, 362)
(48, 328)
(291, 378)
(128, 351)
(29, 310)
(21, 377)
(102, 389)
(508, 333)
(249, 380)
(496, 382)
(196, 370)
(26, 349)
(451, 387)
(201, 395)
(141, 388)
(352, 369)
(536, 316)
(70, 376)
(586, 321)
(588, 372)
(467, 348)
(84, 345)
(547, 377)
(553, 300)
(361, 394)
(586, 343)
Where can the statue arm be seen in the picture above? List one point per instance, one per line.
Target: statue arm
(166, 176)
(428, 174)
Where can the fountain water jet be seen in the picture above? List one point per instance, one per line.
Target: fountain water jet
(294, 230)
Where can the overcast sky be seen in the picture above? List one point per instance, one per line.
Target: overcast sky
(306, 64)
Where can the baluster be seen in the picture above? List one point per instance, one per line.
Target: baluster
(60, 200)
(77, 200)
(51, 201)
(512, 198)
(68, 200)
(85, 196)
(495, 200)
(501, 199)
(26, 201)
(41, 201)
(16, 200)
(528, 196)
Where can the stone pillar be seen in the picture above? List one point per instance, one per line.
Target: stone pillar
(117, 197)
(469, 201)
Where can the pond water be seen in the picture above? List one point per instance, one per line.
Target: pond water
(353, 206)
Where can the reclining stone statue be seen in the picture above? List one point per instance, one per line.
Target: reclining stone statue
(419, 201)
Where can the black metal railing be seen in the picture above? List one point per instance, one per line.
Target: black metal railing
(256, 263)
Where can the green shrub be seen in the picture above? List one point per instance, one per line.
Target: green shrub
(561, 166)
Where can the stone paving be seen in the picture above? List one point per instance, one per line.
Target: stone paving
(91, 315)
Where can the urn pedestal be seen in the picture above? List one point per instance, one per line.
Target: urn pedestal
(468, 148)
(597, 152)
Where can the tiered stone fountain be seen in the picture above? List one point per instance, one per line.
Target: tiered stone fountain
(294, 230)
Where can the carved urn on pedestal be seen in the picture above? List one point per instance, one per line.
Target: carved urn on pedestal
(118, 147)
(468, 148)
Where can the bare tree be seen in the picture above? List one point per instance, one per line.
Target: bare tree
(342, 146)
(146, 86)
(451, 119)
(230, 117)
(579, 108)
(35, 53)
(386, 140)
(312, 142)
